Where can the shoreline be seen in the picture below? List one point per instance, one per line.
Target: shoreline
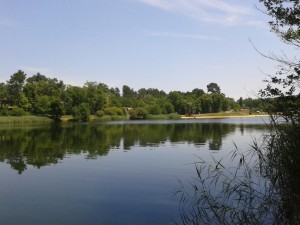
(221, 117)
(34, 120)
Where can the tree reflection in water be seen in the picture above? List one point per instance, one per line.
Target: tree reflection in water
(42, 146)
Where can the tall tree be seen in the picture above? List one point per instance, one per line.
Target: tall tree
(198, 92)
(213, 88)
(128, 92)
(129, 97)
(15, 86)
(3, 95)
(206, 103)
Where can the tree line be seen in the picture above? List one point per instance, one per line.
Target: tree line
(41, 95)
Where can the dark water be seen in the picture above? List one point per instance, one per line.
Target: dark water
(113, 173)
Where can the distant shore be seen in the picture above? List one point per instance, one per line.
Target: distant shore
(27, 120)
(204, 116)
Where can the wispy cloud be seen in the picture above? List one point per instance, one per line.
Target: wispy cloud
(180, 35)
(210, 11)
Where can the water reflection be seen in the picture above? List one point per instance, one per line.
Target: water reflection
(42, 146)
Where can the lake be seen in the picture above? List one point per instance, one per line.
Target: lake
(109, 173)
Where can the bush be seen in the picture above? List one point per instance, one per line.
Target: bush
(81, 112)
(113, 111)
(56, 110)
(138, 113)
(154, 109)
(174, 116)
(4, 112)
(18, 112)
(99, 113)
(168, 108)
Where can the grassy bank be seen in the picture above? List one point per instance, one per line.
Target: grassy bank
(11, 120)
(173, 116)
(222, 115)
(105, 118)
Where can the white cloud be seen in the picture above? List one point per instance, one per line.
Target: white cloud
(210, 11)
(180, 35)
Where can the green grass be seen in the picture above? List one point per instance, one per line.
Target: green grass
(107, 118)
(173, 116)
(11, 120)
(224, 114)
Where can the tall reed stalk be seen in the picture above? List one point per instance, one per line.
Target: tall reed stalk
(12, 120)
(262, 185)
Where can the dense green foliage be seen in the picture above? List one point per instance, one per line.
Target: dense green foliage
(41, 95)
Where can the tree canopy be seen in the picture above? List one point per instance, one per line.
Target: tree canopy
(286, 20)
(41, 95)
(282, 89)
(213, 88)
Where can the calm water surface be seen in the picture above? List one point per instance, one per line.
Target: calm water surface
(108, 173)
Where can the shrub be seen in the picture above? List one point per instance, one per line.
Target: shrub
(154, 109)
(4, 112)
(81, 112)
(113, 111)
(56, 110)
(14, 112)
(138, 113)
(18, 112)
(174, 116)
(100, 113)
(168, 108)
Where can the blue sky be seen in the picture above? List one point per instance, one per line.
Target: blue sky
(164, 44)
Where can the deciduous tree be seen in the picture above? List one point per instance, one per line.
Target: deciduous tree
(15, 86)
(213, 88)
(286, 20)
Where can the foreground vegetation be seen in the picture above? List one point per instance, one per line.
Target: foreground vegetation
(262, 185)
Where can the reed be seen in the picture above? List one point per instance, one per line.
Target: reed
(11, 120)
(172, 116)
(262, 185)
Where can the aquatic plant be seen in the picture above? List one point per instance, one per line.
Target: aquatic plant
(260, 185)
